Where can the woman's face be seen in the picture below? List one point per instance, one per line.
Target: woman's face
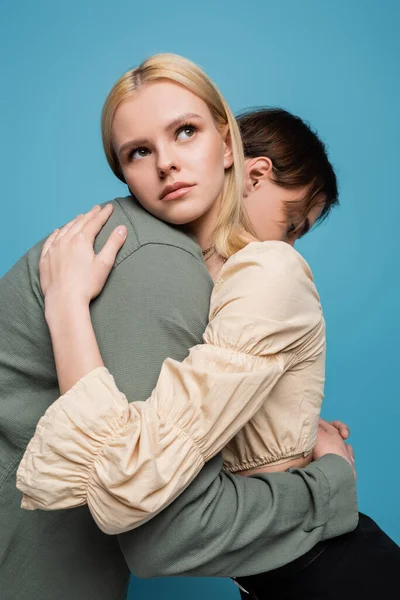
(172, 156)
(265, 202)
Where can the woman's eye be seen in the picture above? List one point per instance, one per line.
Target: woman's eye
(185, 132)
(139, 153)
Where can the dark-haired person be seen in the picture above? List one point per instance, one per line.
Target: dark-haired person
(223, 524)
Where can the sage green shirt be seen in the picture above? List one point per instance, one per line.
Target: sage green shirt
(154, 305)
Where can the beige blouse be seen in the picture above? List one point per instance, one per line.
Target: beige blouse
(257, 378)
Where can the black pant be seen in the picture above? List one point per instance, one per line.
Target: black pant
(361, 565)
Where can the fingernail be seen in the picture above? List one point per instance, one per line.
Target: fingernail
(122, 231)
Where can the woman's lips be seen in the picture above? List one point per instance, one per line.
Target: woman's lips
(182, 191)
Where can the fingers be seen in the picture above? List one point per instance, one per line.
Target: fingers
(48, 243)
(326, 426)
(337, 426)
(76, 224)
(112, 246)
(96, 221)
(82, 221)
(91, 223)
(342, 428)
(64, 230)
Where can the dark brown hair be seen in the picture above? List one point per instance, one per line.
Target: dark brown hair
(298, 156)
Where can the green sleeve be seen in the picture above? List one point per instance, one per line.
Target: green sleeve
(156, 305)
(225, 525)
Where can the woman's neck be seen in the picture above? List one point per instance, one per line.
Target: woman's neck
(203, 228)
(214, 265)
(205, 238)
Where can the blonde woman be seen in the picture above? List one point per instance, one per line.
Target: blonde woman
(182, 159)
(258, 376)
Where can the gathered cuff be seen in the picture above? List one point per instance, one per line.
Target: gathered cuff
(86, 450)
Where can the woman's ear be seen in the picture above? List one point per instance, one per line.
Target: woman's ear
(228, 153)
(257, 170)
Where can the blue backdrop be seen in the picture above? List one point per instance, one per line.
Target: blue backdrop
(336, 65)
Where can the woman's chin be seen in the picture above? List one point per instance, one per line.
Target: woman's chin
(180, 214)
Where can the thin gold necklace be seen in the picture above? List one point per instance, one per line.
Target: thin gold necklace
(205, 252)
(208, 253)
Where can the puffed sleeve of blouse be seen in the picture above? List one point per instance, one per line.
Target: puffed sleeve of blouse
(129, 461)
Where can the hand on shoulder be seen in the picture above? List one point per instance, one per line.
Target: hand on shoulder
(69, 268)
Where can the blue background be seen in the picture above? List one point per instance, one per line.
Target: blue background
(335, 64)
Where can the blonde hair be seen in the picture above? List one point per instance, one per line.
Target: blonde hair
(229, 236)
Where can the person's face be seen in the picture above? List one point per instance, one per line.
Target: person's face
(264, 202)
(165, 136)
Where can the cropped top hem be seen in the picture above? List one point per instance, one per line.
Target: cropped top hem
(266, 461)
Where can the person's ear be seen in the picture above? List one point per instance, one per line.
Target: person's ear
(257, 170)
(228, 152)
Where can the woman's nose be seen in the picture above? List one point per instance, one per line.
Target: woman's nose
(166, 163)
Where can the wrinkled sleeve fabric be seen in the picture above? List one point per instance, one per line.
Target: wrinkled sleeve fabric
(129, 461)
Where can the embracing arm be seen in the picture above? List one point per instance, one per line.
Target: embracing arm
(226, 525)
(129, 461)
(221, 521)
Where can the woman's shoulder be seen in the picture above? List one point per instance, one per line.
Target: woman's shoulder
(272, 254)
(263, 265)
(264, 291)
